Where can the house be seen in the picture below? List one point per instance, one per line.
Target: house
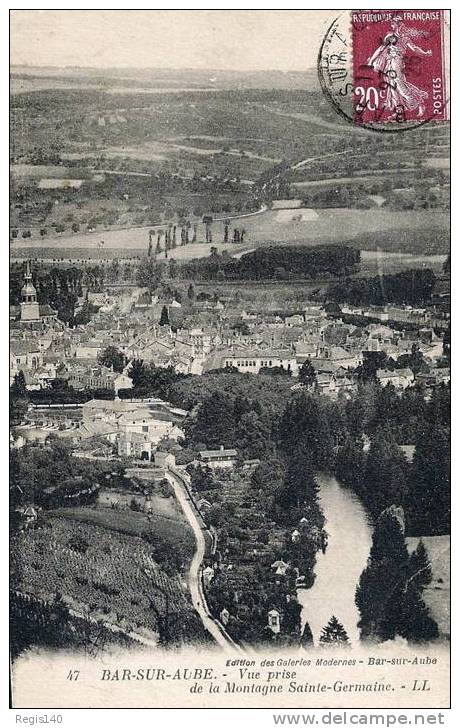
(434, 377)
(432, 351)
(85, 376)
(253, 360)
(274, 621)
(408, 452)
(137, 427)
(382, 333)
(97, 299)
(280, 567)
(135, 445)
(305, 350)
(24, 356)
(140, 431)
(376, 312)
(208, 575)
(164, 460)
(333, 382)
(200, 340)
(221, 458)
(336, 355)
(224, 616)
(29, 514)
(326, 383)
(97, 428)
(400, 378)
(203, 505)
(295, 319)
(87, 349)
(251, 465)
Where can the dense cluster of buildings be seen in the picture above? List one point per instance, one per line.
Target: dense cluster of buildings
(206, 333)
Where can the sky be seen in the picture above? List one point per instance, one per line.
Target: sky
(286, 40)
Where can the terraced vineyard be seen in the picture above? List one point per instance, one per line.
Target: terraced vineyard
(110, 574)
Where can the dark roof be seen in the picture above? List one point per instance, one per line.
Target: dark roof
(46, 310)
(215, 453)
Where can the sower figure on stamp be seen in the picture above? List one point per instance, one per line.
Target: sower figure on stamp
(390, 58)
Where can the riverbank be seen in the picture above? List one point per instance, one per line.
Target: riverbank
(339, 568)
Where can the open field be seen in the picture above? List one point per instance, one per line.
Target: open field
(127, 522)
(161, 506)
(416, 232)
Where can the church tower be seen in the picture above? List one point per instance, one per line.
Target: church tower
(30, 309)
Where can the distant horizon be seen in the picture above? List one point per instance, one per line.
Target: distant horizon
(163, 68)
(241, 41)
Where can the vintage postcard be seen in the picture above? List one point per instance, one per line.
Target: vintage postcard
(230, 359)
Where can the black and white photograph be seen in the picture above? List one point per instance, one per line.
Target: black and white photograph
(229, 359)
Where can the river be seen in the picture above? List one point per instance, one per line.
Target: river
(338, 570)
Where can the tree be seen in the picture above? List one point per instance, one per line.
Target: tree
(275, 372)
(415, 623)
(305, 421)
(419, 569)
(138, 373)
(306, 639)
(379, 597)
(18, 389)
(191, 292)
(18, 409)
(334, 634)
(202, 477)
(380, 591)
(114, 270)
(252, 435)
(428, 497)
(300, 488)
(386, 473)
(372, 361)
(112, 357)
(148, 274)
(446, 265)
(389, 593)
(291, 621)
(350, 464)
(268, 476)
(226, 226)
(242, 328)
(388, 540)
(214, 424)
(307, 374)
(360, 411)
(164, 317)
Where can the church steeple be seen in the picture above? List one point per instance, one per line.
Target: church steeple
(30, 310)
(28, 273)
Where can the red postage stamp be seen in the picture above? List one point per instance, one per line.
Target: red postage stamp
(398, 66)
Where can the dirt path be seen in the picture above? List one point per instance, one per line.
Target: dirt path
(194, 575)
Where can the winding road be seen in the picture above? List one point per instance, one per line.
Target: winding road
(194, 576)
